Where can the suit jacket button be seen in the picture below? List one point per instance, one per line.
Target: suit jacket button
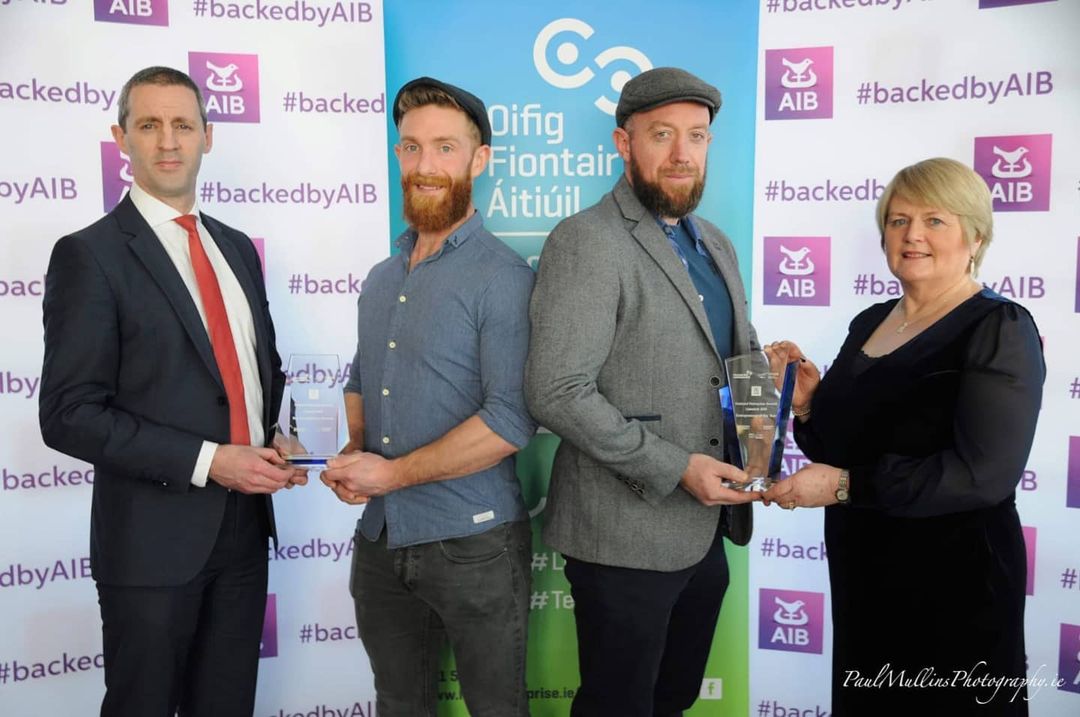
(222, 401)
(714, 441)
(715, 380)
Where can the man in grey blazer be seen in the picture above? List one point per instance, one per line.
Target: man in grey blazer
(637, 302)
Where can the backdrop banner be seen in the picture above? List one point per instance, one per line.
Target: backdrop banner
(849, 93)
(550, 75)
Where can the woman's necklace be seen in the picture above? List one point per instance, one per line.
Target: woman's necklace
(926, 310)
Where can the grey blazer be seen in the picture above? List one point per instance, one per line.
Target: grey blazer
(623, 367)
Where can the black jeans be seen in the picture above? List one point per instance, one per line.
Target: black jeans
(473, 591)
(643, 635)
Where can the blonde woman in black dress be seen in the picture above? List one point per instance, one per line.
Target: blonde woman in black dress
(919, 434)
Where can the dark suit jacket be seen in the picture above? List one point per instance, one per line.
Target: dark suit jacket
(623, 367)
(130, 384)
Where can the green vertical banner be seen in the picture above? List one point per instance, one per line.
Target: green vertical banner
(550, 74)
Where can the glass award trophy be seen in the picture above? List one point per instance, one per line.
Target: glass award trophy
(756, 404)
(314, 402)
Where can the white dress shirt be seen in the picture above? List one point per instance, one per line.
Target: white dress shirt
(174, 238)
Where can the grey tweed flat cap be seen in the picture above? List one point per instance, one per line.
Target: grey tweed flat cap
(662, 86)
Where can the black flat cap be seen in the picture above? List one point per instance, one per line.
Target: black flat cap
(662, 86)
(473, 105)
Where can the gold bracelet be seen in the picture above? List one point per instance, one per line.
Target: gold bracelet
(796, 413)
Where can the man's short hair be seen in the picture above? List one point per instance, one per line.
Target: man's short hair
(162, 77)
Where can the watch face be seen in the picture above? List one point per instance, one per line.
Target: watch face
(842, 495)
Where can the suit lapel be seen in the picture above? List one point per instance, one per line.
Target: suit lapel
(147, 247)
(652, 239)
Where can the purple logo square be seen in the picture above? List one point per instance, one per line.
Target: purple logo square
(116, 176)
(791, 620)
(1006, 3)
(1072, 493)
(132, 12)
(1017, 170)
(1077, 305)
(269, 645)
(229, 83)
(799, 83)
(796, 271)
(260, 247)
(1069, 658)
(794, 458)
(1029, 542)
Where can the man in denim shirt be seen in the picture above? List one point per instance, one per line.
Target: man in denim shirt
(436, 412)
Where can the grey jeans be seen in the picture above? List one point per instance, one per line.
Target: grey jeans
(473, 591)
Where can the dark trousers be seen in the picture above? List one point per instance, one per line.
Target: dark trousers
(192, 647)
(473, 591)
(644, 636)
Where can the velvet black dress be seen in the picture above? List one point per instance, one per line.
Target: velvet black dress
(927, 563)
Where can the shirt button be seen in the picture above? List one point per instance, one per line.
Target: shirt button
(700, 297)
(386, 392)
(392, 344)
(385, 440)
(401, 298)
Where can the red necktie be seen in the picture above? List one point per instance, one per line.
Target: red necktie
(221, 338)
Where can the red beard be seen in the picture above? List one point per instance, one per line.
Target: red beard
(436, 213)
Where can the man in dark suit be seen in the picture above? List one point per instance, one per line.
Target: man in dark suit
(160, 369)
(637, 303)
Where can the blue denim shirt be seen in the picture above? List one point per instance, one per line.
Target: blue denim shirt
(436, 346)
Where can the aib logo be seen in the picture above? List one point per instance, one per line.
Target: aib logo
(791, 620)
(799, 83)
(568, 56)
(796, 271)
(1030, 534)
(116, 176)
(229, 83)
(1072, 495)
(1069, 658)
(268, 647)
(1007, 3)
(1017, 170)
(134, 12)
(1077, 305)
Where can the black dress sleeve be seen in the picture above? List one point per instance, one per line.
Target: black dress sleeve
(996, 409)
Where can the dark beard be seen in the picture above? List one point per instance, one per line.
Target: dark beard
(426, 214)
(653, 197)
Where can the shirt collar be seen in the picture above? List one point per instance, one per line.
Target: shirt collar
(686, 223)
(153, 210)
(473, 224)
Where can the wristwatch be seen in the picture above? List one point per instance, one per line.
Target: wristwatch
(842, 493)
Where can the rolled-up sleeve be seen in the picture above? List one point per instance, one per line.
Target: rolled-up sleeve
(353, 384)
(504, 345)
